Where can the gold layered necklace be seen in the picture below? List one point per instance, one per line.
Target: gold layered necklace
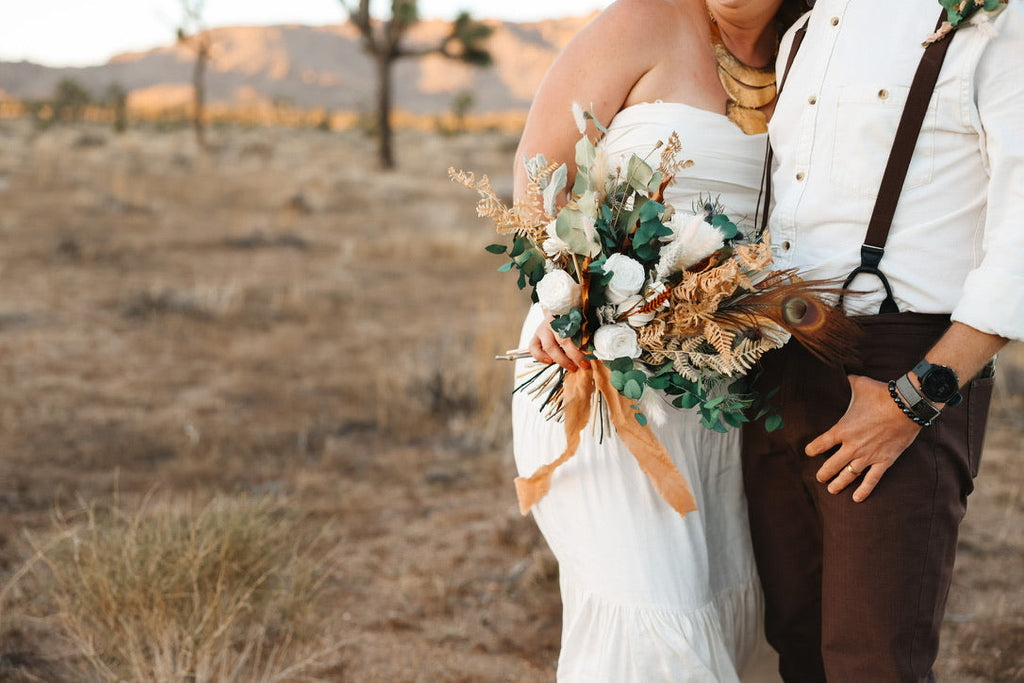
(749, 87)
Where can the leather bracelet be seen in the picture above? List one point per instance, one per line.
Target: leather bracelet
(918, 403)
(903, 406)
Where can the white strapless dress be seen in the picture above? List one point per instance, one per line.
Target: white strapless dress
(649, 596)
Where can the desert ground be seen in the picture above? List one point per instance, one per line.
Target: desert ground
(265, 371)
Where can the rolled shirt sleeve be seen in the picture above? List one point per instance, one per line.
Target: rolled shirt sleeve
(993, 293)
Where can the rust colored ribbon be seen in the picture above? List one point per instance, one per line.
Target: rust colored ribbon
(650, 454)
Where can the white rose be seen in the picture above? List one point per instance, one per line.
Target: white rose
(558, 292)
(554, 246)
(616, 341)
(694, 239)
(627, 277)
(632, 306)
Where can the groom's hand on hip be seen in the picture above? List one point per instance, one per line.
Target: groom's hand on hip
(871, 435)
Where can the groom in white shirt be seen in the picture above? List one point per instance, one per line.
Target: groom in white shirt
(855, 505)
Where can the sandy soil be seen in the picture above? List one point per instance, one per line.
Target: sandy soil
(279, 318)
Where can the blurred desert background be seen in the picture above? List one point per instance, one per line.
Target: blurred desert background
(250, 424)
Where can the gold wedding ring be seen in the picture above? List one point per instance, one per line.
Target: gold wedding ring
(849, 468)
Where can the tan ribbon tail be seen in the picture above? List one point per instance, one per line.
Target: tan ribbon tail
(576, 392)
(650, 454)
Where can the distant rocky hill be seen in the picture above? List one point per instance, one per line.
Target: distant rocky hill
(308, 66)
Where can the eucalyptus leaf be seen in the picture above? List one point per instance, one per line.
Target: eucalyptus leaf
(586, 153)
(689, 401)
(568, 325)
(587, 203)
(725, 226)
(570, 227)
(633, 389)
(659, 382)
(637, 376)
(534, 268)
(639, 173)
(623, 365)
(773, 423)
(733, 419)
(655, 182)
(650, 209)
(496, 248)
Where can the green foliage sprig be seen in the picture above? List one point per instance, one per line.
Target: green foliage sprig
(959, 11)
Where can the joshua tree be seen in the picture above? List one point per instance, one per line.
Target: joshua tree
(117, 98)
(192, 33)
(70, 98)
(382, 40)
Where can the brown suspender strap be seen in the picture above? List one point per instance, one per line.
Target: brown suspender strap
(764, 200)
(895, 174)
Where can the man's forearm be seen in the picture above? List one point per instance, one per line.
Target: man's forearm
(963, 349)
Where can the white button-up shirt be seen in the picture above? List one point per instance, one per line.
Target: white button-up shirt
(957, 239)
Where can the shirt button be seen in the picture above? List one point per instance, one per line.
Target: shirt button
(800, 176)
(812, 100)
(835, 21)
(883, 94)
(786, 246)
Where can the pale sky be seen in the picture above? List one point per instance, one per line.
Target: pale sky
(81, 33)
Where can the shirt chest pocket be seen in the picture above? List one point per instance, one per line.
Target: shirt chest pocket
(866, 122)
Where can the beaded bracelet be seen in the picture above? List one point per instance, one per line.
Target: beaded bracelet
(903, 406)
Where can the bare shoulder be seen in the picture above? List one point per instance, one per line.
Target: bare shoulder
(644, 25)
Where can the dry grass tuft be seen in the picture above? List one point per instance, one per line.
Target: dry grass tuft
(452, 383)
(177, 591)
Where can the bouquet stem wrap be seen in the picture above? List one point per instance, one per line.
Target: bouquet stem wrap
(650, 454)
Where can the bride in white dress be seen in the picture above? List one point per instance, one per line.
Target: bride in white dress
(649, 595)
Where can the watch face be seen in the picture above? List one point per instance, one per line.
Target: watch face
(940, 384)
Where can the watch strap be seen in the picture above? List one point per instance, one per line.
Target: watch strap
(914, 401)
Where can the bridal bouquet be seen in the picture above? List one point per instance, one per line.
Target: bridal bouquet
(673, 299)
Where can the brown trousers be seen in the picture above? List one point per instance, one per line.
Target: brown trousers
(855, 592)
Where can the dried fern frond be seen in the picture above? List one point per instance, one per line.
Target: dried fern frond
(719, 337)
(670, 163)
(522, 219)
(754, 257)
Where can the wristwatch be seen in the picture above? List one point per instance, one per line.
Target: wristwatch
(938, 383)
